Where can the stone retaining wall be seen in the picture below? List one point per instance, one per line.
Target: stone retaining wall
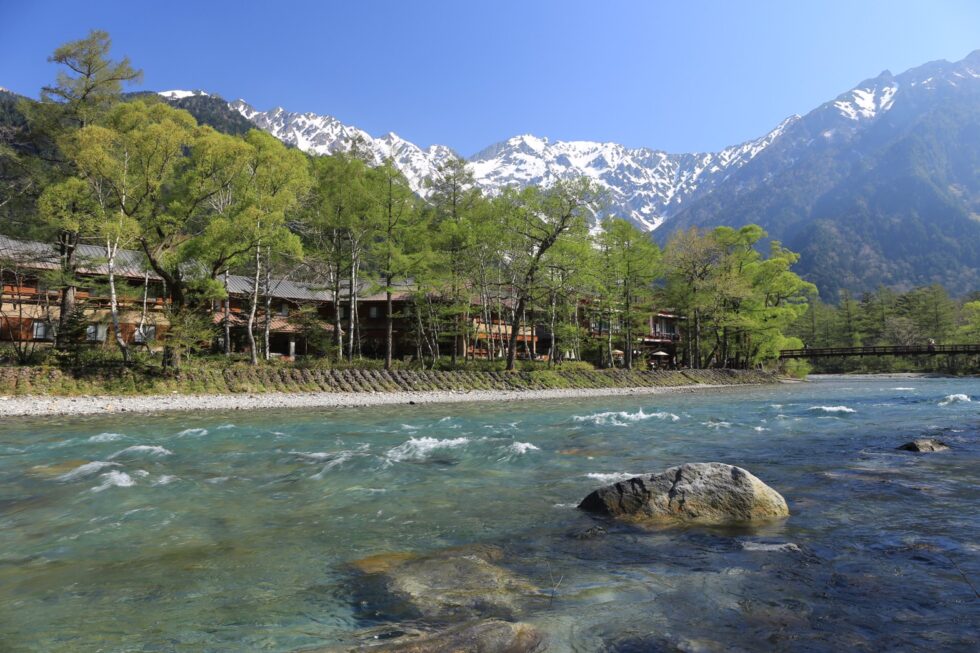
(246, 379)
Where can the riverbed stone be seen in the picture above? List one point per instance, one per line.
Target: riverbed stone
(708, 493)
(452, 584)
(591, 533)
(925, 445)
(485, 636)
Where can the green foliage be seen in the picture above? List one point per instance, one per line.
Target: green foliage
(208, 196)
(89, 82)
(739, 304)
(189, 332)
(970, 329)
(73, 332)
(885, 317)
(630, 263)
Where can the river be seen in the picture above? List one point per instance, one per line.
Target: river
(235, 531)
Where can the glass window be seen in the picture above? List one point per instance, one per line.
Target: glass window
(284, 309)
(95, 333)
(147, 334)
(374, 312)
(41, 330)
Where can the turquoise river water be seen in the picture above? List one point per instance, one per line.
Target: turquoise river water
(234, 531)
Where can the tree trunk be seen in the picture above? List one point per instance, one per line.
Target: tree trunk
(697, 339)
(609, 341)
(227, 317)
(267, 328)
(389, 325)
(724, 347)
(68, 243)
(628, 318)
(527, 347)
(111, 249)
(352, 306)
(254, 354)
(551, 331)
(338, 330)
(515, 325)
(141, 327)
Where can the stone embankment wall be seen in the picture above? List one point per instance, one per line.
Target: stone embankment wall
(244, 379)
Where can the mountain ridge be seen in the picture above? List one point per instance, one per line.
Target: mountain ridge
(878, 185)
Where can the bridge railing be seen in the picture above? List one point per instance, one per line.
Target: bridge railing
(897, 350)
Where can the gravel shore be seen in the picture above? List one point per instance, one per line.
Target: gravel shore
(88, 405)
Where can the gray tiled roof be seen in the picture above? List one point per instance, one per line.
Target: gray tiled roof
(132, 263)
(91, 258)
(281, 288)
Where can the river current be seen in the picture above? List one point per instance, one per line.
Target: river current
(236, 531)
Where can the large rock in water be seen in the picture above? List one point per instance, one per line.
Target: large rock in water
(925, 445)
(710, 493)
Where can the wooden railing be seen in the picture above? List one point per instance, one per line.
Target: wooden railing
(899, 350)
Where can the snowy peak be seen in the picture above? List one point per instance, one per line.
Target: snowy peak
(180, 95)
(869, 99)
(642, 184)
(872, 98)
(320, 134)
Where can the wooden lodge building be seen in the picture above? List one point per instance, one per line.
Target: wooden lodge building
(30, 311)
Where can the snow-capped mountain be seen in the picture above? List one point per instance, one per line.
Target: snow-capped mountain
(877, 185)
(181, 95)
(325, 135)
(642, 184)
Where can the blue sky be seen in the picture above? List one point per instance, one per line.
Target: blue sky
(679, 76)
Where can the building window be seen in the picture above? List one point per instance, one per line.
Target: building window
(374, 312)
(95, 333)
(42, 330)
(147, 334)
(342, 312)
(284, 309)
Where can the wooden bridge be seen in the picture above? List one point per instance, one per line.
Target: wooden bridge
(900, 350)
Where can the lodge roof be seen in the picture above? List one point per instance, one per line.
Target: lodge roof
(132, 264)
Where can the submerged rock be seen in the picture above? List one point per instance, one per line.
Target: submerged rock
(788, 547)
(710, 493)
(925, 445)
(590, 533)
(452, 584)
(489, 636)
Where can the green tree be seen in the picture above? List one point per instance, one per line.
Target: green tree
(691, 259)
(743, 304)
(536, 222)
(399, 248)
(933, 312)
(633, 264)
(120, 164)
(88, 84)
(453, 195)
(969, 332)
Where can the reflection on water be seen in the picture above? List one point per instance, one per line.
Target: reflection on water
(229, 532)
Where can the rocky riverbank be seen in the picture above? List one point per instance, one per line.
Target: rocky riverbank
(27, 392)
